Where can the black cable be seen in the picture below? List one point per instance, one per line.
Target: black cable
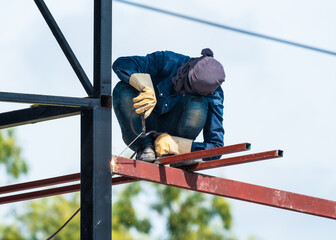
(73, 215)
(300, 45)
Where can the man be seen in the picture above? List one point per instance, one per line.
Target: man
(178, 96)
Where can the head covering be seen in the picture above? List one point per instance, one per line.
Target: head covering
(201, 75)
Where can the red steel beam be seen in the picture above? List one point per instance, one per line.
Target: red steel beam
(204, 153)
(40, 183)
(235, 160)
(215, 163)
(123, 179)
(226, 188)
(39, 194)
(52, 191)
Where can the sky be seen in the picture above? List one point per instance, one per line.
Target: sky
(276, 96)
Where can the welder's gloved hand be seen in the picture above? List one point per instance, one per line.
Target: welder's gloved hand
(166, 144)
(146, 101)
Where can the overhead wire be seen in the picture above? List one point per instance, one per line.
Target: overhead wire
(250, 33)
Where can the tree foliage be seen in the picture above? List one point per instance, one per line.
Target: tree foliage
(10, 154)
(193, 215)
(188, 215)
(124, 216)
(39, 219)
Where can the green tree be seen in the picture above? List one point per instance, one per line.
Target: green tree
(188, 215)
(124, 217)
(10, 154)
(41, 218)
(193, 215)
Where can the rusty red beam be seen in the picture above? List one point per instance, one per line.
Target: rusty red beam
(123, 179)
(235, 160)
(39, 194)
(40, 183)
(226, 188)
(204, 153)
(52, 191)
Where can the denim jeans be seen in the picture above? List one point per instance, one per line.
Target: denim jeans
(186, 119)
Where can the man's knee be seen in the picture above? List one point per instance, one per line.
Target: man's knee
(123, 95)
(193, 117)
(122, 91)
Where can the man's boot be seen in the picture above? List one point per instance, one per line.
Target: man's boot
(147, 154)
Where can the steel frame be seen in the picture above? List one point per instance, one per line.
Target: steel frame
(95, 177)
(96, 125)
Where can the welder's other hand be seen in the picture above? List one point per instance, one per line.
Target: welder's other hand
(145, 102)
(167, 144)
(141, 80)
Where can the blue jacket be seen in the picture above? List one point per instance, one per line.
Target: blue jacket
(162, 66)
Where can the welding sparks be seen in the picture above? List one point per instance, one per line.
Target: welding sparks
(114, 163)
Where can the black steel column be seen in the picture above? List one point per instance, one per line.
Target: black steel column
(96, 130)
(102, 47)
(96, 174)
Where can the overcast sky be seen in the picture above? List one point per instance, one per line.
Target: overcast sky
(276, 96)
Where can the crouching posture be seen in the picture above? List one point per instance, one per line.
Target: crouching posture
(178, 96)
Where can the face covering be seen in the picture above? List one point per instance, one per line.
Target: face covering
(201, 75)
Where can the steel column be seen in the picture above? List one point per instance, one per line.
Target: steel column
(96, 140)
(226, 188)
(96, 174)
(102, 47)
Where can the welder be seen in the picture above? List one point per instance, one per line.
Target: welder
(177, 95)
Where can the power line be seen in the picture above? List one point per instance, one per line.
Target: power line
(296, 44)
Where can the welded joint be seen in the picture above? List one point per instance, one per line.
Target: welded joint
(106, 101)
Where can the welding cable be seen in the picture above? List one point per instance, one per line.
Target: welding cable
(154, 133)
(73, 215)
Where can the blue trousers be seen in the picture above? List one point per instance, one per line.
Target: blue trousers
(186, 119)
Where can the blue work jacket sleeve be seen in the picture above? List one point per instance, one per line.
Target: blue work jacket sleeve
(152, 64)
(213, 131)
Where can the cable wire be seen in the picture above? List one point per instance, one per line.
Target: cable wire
(258, 35)
(73, 215)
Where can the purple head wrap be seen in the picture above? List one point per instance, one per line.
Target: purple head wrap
(201, 75)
